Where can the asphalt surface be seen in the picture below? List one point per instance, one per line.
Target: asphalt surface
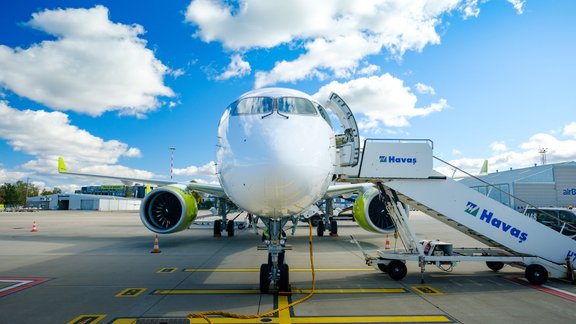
(96, 267)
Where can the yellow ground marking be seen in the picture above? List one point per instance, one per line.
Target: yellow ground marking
(167, 270)
(294, 291)
(426, 290)
(291, 270)
(131, 292)
(204, 291)
(375, 319)
(88, 319)
(351, 291)
(285, 318)
(284, 315)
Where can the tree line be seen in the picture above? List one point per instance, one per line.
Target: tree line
(15, 194)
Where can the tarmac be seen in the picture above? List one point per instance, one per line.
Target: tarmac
(96, 267)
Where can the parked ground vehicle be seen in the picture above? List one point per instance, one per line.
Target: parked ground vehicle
(559, 218)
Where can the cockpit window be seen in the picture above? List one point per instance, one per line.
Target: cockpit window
(296, 106)
(254, 105)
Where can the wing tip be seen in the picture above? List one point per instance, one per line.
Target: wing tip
(61, 165)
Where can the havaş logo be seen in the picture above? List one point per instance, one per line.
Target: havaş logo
(397, 159)
(488, 217)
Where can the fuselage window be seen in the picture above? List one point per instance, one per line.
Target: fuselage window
(251, 106)
(296, 106)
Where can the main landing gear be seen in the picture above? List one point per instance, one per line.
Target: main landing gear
(276, 272)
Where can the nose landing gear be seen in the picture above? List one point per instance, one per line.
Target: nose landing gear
(276, 272)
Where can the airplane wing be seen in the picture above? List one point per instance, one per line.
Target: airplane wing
(340, 189)
(215, 190)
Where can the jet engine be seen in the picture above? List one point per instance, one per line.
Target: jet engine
(371, 214)
(168, 209)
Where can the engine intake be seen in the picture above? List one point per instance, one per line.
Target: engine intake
(371, 214)
(168, 209)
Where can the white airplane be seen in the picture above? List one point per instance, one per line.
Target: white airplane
(277, 155)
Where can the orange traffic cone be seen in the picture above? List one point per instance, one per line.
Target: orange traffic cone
(156, 248)
(387, 247)
(34, 229)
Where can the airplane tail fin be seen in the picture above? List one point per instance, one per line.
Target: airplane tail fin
(484, 169)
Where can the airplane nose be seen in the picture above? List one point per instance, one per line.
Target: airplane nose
(276, 167)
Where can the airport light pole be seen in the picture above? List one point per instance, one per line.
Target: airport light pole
(172, 149)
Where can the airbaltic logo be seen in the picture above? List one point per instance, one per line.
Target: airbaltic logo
(397, 159)
(569, 192)
(488, 217)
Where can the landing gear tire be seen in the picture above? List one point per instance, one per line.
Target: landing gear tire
(495, 265)
(321, 228)
(230, 228)
(217, 228)
(264, 278)
(284, 281)
(333, 228)
(536, 274)
(397, 269)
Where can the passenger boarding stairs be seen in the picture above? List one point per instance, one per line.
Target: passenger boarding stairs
(406, 168)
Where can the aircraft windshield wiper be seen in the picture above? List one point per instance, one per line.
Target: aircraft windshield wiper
(268, 114)
(277, 111)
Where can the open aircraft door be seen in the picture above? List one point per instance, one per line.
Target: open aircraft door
(348, 144)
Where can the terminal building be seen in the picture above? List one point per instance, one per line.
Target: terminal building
(114, 190)
(103, 198)
(83, 202)
(549, 185)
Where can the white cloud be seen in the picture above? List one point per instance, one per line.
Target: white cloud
(498, 147)
(518, 5)
(94, 65)
(369, 69)
(570, 130)
(334, 35)
(380, 99)
(11, 176)
(47, 135)
(208, 169)
(526, 155)
(470, 8)
(236, 69)
(424, 89)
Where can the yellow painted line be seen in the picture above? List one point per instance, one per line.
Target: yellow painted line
(284, 318)
(291, 270)
(426, 290)
(284, 315)
(351, 291)
(294, 291)
(223, 270)
(375, 319)
(204, 291)
(125, 321)
(88, 319)
(131, 292)
(167, 270)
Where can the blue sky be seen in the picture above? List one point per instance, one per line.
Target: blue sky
(111, 85)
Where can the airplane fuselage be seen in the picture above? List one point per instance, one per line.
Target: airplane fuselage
(276, 153)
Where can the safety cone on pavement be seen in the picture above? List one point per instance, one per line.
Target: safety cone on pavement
(34, 229)
(387, 247)
(156, 248)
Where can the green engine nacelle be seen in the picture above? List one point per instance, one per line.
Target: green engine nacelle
(371, 214)
(168, 209)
